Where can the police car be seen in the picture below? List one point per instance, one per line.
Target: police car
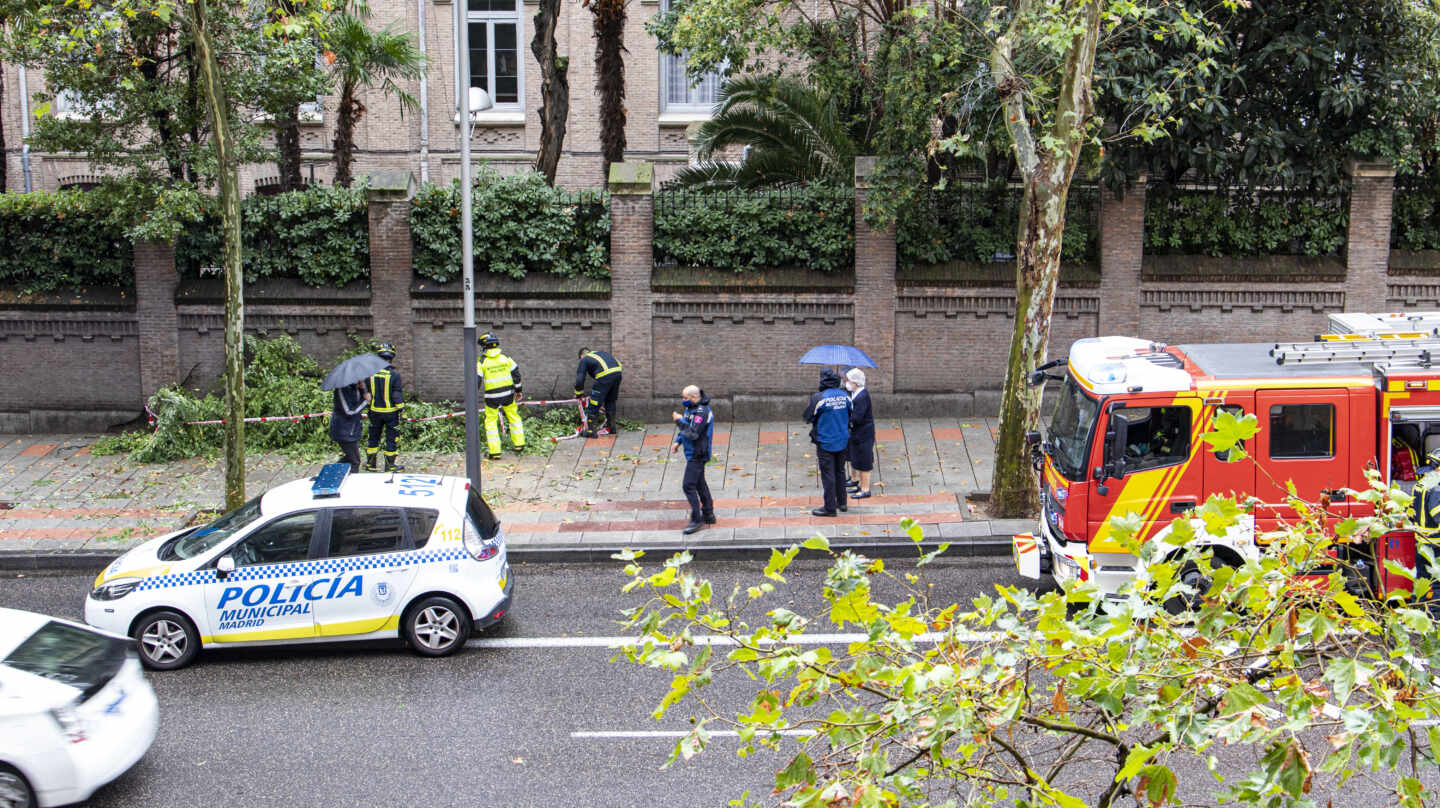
(341, 556)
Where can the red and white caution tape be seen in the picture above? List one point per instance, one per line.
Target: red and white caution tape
(263, 419)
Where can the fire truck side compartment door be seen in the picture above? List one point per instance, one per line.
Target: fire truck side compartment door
(1304, 439)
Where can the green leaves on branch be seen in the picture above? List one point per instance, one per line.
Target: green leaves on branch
(1057, 698)
(320, 236)
(521, 225)
(743, 231)
(65, 240)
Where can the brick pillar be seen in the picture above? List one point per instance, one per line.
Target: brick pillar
(388, 197)
(874, 287)
(159, 325)
(1122, 251)
(632, 229)
(1367, 242)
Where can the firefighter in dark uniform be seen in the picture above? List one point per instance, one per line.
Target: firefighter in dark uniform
(387, 401)
(605, 369)
(500, 382)
(1427, 515)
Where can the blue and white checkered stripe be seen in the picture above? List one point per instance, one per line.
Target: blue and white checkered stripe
(322, 566)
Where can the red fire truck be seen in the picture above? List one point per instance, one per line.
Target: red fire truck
(1124, 438)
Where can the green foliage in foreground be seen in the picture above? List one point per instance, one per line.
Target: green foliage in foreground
(1064, 698)
(280, 379)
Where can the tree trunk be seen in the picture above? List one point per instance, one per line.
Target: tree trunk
(610, 77)
(554, 89)
(229, 180)
(1013, 491)
(344, 146)
(287, 148)
(1047, 165)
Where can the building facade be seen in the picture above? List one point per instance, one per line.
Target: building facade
(662, 105)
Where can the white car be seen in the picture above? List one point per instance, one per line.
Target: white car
(340, 556)
(75, 710)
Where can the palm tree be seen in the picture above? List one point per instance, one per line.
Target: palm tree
(794, 135)
(366, 59)
(609, 24)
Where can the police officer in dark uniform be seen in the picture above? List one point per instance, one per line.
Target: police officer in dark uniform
(387, 401)
(605, 369)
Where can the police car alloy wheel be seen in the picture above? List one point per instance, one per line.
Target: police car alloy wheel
(166, 640)
(436, 626)
(14, 791)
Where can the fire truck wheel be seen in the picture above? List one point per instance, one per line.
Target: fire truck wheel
(1192, 576)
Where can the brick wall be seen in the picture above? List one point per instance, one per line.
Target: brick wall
(94, 359)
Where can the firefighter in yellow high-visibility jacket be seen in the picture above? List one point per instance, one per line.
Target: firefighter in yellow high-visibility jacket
(500, 383)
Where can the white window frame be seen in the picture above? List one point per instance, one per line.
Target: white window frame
(688, 110)
(490, 18)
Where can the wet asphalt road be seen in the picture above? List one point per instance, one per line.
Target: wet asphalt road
(372, 724)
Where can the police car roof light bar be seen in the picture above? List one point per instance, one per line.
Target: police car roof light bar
(1360, 351)
(327, 482)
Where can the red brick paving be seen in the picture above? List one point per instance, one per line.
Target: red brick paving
(949, 434)
(38, 449)
(720, 439)
(889, 434)
(656, 440)
(772, 438)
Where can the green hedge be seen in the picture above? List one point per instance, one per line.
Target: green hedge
(978, 222)
(1416, 220)
(522, 225)
(1244, 223)
(62, 240)
(811, 226)
(320, 236)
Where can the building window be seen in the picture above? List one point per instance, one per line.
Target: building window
(676, 92)
(495, 36)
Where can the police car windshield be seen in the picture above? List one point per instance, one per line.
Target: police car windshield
(207, 537)
(1070, 427)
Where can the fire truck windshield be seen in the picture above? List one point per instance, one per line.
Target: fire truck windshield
(1070, 428)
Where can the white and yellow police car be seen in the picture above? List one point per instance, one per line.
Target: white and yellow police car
(340, 556)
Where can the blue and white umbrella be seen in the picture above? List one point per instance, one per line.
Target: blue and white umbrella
(844, 355)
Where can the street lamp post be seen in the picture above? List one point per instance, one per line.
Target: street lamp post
(479, 99)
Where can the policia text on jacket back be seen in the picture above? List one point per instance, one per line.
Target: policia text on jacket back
(605, 369)
(500, 383)
(387, 401)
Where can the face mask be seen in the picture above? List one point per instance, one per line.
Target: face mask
(685, 402)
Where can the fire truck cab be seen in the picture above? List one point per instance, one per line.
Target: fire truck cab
(1124, 438)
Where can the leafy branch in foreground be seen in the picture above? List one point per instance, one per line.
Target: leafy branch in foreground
(1064, 698)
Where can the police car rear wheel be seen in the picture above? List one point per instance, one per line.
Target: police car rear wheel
(15, 792)
(436, 626)
(166, 640)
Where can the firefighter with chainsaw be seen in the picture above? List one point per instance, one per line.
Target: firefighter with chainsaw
(387, 401)
(605, 392)
(500, 383)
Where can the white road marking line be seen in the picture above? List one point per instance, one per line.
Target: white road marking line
(622, 642)
(666, 733)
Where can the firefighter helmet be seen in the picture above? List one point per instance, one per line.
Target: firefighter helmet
(386, 351)
(487, 341)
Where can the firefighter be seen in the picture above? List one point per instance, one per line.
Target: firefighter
(387, 401)
(1427, 513)
(500, 381)
(605, 369)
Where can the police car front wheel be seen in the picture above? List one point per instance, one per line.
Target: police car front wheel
(436, 626)
(167, 640)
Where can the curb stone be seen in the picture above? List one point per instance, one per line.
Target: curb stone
(979, 546)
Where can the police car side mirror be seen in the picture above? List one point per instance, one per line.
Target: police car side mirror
(224, 566)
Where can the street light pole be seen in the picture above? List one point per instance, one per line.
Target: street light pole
(467, 246)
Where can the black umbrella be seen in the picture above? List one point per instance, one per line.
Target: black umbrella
(355, 369)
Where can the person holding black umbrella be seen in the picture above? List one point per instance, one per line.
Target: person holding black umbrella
(345, 422)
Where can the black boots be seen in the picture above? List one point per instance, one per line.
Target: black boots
(693, 527)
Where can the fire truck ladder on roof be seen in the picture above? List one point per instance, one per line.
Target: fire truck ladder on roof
(1417, 351)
